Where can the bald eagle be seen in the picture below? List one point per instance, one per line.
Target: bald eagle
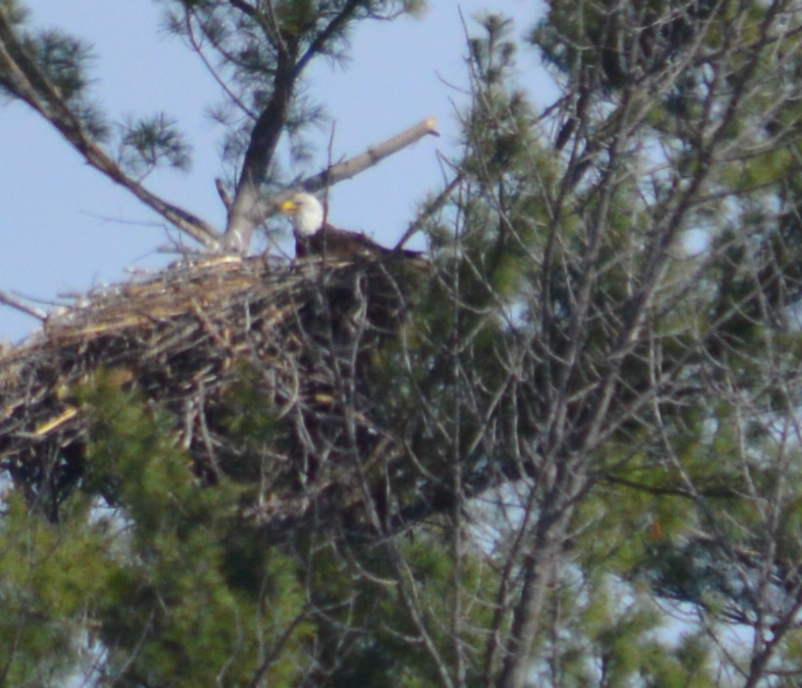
(316, 237)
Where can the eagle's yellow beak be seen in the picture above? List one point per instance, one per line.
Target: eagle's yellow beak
(288, 207)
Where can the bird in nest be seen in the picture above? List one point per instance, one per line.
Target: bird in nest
(316, 237)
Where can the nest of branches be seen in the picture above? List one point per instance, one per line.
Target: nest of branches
(299, 338)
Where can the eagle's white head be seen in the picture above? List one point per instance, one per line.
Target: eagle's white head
(305, 213)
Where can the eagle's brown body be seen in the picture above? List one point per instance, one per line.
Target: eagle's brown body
(340, 243)
(316, 237)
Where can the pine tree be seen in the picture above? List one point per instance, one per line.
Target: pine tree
(572, 460)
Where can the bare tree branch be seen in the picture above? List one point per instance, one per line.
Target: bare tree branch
(372, 156)
(18, 304)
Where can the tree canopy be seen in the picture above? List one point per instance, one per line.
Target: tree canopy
(566, 452)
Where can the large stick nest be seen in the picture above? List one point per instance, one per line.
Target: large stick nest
(185, 339)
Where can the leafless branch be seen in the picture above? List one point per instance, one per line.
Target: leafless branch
(18, 304)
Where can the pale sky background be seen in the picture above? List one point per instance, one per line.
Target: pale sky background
(66, 228)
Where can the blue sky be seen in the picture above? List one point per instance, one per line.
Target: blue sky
(66, 228)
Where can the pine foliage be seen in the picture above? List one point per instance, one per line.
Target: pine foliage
(566, 452)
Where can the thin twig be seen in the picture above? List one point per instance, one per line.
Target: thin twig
(429, 210)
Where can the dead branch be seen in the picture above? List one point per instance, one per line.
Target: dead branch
(372, 156)
(18, 304)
